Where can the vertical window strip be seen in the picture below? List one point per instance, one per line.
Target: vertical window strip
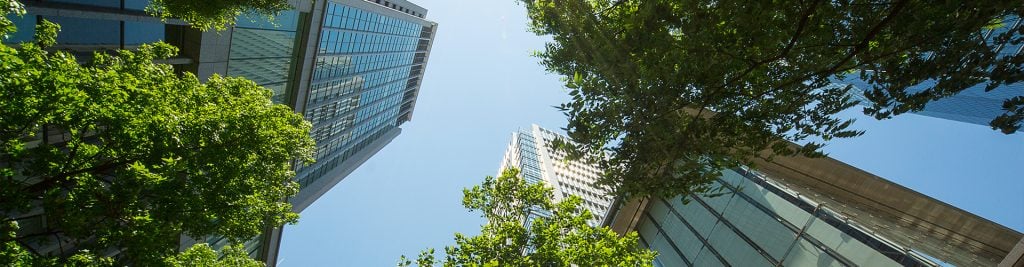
(694, 231)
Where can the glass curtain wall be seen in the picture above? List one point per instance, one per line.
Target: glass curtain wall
(529, 167)
(759, 223)
(265, 51)
(362, 68)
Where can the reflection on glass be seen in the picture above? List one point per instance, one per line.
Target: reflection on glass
(256, 43)
(263, 51)
(263, 71)
(363, 67)
(760, 226)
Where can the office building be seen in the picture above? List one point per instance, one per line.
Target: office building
(367, 71)
(797, 211)
(365, 63)
(530, 152)
(353, 68)
(972, 105)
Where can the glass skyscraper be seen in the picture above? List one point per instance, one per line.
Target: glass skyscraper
(531, 153)
(369, 63)
(360, 65)
(810, 212)
(972, 105)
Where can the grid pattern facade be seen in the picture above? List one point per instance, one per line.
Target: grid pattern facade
(367, 70)
(539, 162)
(972, 105)
(264, 51)
(758, 222)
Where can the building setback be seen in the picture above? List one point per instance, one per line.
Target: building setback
(538, 162)
(798, 211)
(353, 68)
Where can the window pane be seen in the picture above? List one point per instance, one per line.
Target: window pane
(256, 43)
(26, 28)
(762, 229)
(734, 249)
(699, 217)
(806, 254)
(137, 33)
(845, 245)
(78, 31)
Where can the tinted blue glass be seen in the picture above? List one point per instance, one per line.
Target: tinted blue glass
(356, 90)
(78, 31)
(136, 4)
(99, 3)
(26, 28)
(262, 50)
(136, 33)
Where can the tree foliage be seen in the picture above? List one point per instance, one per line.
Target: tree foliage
(561, 239)
(201, 255)
(217, 14)
(676, 90)
(122, 154)
(205, 14)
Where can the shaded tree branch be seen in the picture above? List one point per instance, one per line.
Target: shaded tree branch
(785, 50)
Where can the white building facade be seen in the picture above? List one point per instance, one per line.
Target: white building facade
(531, 152)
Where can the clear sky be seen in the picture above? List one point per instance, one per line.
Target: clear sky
(481, 84)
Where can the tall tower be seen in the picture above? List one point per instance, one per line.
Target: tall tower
(366, 72)
(530, 152)
(363, 63)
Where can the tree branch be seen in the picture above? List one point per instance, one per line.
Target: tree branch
(785, 50)
(62, 177)
(867, 39)
(856, 50)
(616, 4)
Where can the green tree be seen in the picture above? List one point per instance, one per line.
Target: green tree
(561, 239)
(201, 255)
(216, 14)
(121, 154)
(673, 91)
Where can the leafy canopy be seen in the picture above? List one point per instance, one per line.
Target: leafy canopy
(561, 239)
(201, 255)
(122, 154)
(676, 90)
(216, 14)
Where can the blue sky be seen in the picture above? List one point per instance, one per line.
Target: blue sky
(481, 84)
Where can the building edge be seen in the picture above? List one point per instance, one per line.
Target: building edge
(930, 226)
